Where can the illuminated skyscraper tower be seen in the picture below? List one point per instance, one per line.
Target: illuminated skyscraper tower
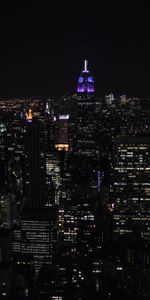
(131, 186)
(85, 81)
(85, 112)
(62, 135)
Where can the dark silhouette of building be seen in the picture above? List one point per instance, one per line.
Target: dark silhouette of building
(35, 166)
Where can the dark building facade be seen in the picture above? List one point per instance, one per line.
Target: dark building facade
(35, 166)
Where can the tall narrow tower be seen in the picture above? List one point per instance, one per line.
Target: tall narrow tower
(85, 114)
(85, 81)
(35, 166)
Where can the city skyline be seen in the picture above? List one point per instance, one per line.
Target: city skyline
(74, 152)
(75, 197)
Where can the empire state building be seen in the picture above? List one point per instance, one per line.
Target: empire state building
(85, 81)
(85, 114)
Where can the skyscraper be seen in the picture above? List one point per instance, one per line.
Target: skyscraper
(86, 80)
(35, 166)
(85, 112)
(34, 234)
(131, 186)
(62, 134)
(3, 158)
(5, 246)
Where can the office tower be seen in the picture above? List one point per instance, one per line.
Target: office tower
(34, 238)
(62, 133)
(5, 216)
(80, 244)
(34, 233)
(35, 166)
(16, 154)
(5, 246)
(86, 80)
(5, 211)
(131, 186)
(3, 158)
(53, 178)
(33, 247)
(62, 155)
(84, 141)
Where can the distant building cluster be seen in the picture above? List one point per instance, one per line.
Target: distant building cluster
(75, 196)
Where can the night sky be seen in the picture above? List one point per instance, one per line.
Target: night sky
(43, 47)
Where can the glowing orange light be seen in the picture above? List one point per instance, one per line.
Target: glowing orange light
(29, 115)
(62, 147)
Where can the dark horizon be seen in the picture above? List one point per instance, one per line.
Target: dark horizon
(42, 50)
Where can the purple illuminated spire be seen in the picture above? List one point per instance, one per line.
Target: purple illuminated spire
(85, 81)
